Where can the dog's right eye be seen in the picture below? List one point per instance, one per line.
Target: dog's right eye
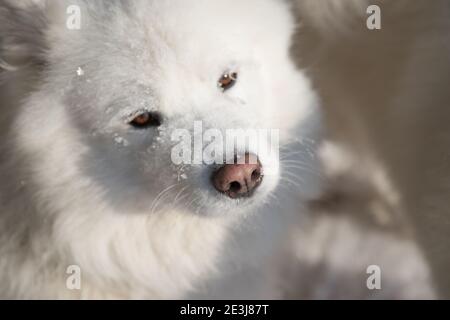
(146, 119)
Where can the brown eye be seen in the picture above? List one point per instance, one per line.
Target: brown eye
(146, 119)
(227, 81)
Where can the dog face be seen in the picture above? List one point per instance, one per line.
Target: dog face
(114, 93)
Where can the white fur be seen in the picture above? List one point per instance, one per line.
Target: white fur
(73, 193)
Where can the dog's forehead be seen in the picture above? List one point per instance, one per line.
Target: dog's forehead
(192, 27)
(187, 24)
(153, 36)
(152, 32)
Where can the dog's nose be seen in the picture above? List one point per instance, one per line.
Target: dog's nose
(239, 180)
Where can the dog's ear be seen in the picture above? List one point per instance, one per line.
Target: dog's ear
(22, 32)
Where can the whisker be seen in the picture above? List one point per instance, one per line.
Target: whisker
(156, 201)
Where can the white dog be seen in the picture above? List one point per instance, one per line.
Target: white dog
(87, 118)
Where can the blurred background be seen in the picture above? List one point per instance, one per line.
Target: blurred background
(384, 93)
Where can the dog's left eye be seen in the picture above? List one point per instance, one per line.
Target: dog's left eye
(227, 80)
(146, 119)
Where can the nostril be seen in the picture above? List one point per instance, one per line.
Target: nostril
(235, 187)
(256, 175)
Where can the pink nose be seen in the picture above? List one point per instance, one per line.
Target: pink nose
(239, 180)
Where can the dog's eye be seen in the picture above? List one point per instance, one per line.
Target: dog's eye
(227, 80)
(146, 119)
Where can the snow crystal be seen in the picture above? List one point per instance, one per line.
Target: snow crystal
(121, 141)
(80, 72)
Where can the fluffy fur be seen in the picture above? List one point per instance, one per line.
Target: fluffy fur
(80, 187)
